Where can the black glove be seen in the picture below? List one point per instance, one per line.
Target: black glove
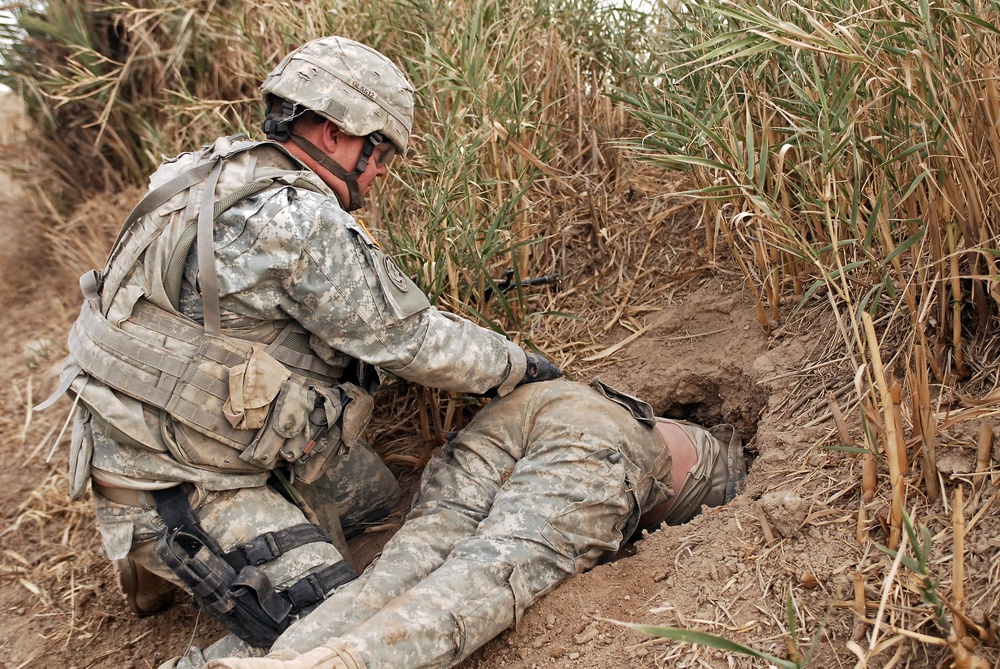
(539, 369)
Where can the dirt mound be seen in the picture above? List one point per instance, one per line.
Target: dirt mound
(706, 360)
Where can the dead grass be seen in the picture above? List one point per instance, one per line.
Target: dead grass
(538, 182)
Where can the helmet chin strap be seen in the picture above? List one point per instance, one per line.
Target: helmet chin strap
(278, 126)
(335, 168)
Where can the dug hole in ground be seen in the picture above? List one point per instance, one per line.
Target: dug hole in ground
(791, 538)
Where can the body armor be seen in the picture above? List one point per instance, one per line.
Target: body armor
(235, 401)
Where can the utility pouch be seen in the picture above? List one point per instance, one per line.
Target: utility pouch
(285, 428)
(640, 410)
(253, 385)
(347, 409)
(245, 603)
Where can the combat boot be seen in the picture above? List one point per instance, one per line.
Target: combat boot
(145, 593)
(736, 461)
(334, 654)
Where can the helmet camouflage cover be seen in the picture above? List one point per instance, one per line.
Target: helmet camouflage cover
(353, 85)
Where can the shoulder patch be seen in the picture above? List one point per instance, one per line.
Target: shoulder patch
(395, 275)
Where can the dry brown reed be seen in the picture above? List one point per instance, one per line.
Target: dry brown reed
(850, 151)
(847, 155)
(512, 135)
(846, 148)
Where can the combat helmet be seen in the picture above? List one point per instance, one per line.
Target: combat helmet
(352, 85)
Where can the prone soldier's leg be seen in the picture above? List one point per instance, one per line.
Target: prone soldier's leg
(535, 489)
(456, 493)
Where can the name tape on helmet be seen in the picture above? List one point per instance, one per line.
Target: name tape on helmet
(364, 90)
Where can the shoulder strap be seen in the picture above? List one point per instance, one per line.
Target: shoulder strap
(156, 198)
(208, 278)
(128, 248)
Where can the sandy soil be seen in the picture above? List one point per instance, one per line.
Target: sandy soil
(703, 357)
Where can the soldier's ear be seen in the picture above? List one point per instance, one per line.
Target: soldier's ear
(330, 136)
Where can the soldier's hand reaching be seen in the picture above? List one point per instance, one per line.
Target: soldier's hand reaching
(539, 369)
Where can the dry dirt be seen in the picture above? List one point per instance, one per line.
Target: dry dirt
(702, 357)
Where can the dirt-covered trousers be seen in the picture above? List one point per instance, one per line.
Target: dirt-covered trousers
(542, 484)
(357, 488)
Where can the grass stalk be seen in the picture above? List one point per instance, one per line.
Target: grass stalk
(860, 142)
(893, 442)
(869, 477)
(984, 450)
(797, 658)
(958, 560)
(920, 393)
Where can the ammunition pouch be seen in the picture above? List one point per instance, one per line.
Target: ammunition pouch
(307, 425)
(270, 403)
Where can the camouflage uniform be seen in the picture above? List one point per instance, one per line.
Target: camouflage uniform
(234, 337)
(287, 257)
(541, 485)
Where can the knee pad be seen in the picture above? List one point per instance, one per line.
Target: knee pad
(363, 488)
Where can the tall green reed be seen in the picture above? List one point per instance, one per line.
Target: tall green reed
(843, 146)
(509, 100)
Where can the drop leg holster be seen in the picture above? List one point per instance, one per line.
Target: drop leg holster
(229, 585)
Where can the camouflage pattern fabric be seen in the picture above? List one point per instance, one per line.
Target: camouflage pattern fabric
(359, 489)
(542, 484)
(233, 517)
(289, 252)
(294, 253)
(300, 255)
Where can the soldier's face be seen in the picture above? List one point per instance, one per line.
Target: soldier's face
(348, 152)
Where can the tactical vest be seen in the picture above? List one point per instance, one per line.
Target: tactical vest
(233, 402)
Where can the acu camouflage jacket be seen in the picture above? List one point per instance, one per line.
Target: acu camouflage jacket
(188, 386)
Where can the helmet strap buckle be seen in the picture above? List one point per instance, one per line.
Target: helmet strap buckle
(278, 125)
(373, 140)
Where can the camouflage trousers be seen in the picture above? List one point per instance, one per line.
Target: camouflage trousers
(542, 484)
(358, 489)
